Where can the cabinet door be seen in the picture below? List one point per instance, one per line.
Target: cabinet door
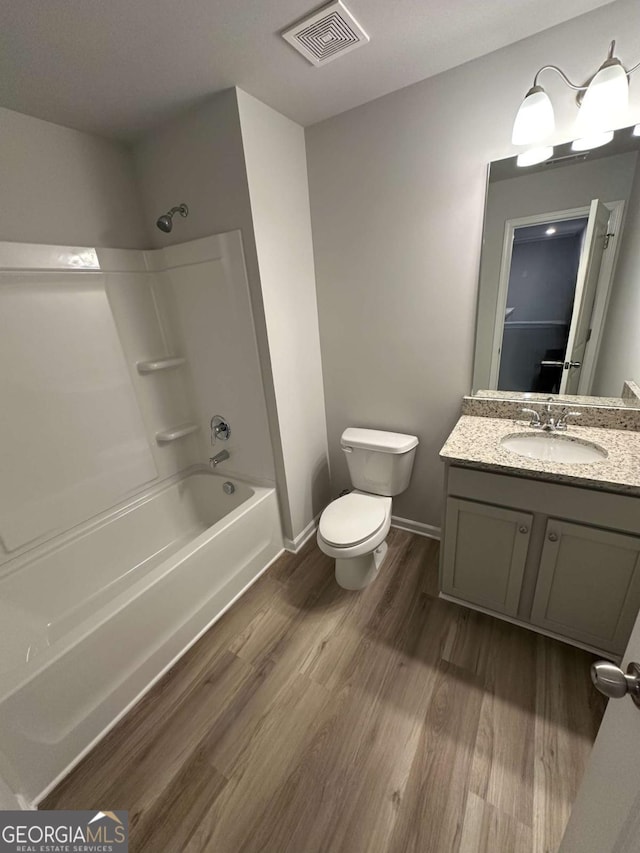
(485, 550)
(588, 584)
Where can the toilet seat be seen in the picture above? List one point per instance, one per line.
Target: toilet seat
(353, 519)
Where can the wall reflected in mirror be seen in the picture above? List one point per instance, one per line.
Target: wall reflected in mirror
(559, 293)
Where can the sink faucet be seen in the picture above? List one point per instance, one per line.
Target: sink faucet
(545, 420)
(218, 458)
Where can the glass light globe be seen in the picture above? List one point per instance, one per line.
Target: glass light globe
(535, 120)
(594, 140)
(605, 101)
(534, 155)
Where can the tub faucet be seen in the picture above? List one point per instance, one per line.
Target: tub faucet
(218, 458)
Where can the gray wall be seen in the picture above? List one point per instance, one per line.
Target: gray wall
(199, 158)
(542, 280)
(619, 357)
(542, 283)
(61, 186)
(397, 191)
(276, 164)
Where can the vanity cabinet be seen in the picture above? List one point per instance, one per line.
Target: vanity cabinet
(495, 537)
(563, 560)
(588, 585)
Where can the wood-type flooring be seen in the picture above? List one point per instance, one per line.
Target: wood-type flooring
(313, 719)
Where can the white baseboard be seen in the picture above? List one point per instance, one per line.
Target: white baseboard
(416, 527)
(294, 545)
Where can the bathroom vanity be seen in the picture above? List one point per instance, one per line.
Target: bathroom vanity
(549, 544)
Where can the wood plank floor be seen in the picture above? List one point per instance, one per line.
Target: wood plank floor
(388, 721)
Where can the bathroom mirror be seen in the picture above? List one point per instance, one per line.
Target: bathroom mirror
(559, 293)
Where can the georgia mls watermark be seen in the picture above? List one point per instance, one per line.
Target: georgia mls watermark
(64, 832)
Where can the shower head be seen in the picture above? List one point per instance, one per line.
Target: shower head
(165, 222)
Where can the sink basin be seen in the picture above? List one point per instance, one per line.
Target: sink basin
(550, 447)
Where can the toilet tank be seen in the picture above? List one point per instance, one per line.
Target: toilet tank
(379, 462)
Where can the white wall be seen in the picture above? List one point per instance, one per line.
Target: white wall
(397, 191)
(274, 150)
(619, 357)
(65, 187)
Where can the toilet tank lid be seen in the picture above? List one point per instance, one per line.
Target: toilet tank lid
(375, 439)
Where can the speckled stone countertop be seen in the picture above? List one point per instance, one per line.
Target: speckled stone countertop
(475, 442)
(630, 397)
(607, 417)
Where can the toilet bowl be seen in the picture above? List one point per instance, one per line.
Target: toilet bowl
(353, 528)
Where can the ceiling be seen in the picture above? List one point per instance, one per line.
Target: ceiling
(119, 67)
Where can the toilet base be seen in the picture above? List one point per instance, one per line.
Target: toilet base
(358, 572)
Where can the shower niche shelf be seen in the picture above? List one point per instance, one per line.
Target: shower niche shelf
(176, 432)
(157, 364)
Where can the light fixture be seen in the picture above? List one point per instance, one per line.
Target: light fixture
(550, 231)
(594, 140)
(532, 156)
(606, 99)
(535, 120)
(602, 102)
(636, 130)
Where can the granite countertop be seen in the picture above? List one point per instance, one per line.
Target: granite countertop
(475, 442)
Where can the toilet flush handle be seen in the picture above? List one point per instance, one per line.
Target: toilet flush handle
(348, 449)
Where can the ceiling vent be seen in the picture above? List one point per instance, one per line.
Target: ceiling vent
(327, 34)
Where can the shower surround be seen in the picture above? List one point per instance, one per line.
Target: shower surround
(118, 548)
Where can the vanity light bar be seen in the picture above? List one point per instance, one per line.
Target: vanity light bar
(602, 103)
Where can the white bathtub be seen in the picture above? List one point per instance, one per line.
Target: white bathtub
(87, 624)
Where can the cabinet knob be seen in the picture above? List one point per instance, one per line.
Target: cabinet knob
(524, 529)
(553, 537)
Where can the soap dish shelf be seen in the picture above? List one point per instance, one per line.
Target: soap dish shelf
(174, 433)
(157, 364)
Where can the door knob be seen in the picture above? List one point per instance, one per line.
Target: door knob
(612, 681)
(569, 364)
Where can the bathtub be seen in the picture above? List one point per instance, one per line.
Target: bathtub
(91, 620)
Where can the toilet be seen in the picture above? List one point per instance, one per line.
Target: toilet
(353, 528)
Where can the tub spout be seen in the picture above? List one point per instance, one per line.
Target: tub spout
(218, 458)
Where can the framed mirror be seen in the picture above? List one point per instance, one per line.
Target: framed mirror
(559, 293)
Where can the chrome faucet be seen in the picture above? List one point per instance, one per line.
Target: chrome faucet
(535, 417)
(218, 458)
(561, 423)
(545, 420)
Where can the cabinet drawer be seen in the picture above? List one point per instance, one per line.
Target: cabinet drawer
(484, 555)
(588, 584)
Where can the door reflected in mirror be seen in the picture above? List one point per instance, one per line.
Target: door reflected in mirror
(559, 294)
